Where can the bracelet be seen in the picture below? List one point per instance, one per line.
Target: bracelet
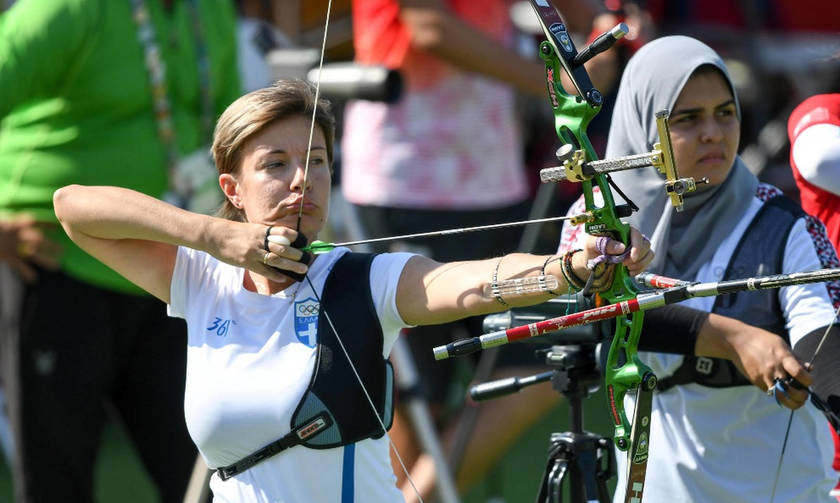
(576, 280)
(542, 274)
(575, 283)
(494, 285)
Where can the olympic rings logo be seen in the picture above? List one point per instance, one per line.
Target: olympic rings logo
(308, 309)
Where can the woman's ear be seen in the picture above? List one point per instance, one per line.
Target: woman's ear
(230, 187)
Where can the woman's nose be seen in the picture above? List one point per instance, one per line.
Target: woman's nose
(299, 177)
(711, 131)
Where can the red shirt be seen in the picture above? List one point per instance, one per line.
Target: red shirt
(380, 37)
(819, 109)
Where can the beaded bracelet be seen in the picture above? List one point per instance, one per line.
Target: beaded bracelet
(494, 285)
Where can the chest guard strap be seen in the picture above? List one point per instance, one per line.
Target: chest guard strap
(334, 410)
(760, 252)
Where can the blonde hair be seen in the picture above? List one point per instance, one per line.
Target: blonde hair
(255, 111)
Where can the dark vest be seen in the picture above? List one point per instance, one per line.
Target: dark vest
(334, 410)
(760, 252)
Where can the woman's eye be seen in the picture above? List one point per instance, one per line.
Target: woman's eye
(684, 119)
(317, 162)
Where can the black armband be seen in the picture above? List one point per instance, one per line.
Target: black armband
(672, 329)
(826, 370)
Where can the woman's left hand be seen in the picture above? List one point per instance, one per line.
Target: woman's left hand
(636, 261)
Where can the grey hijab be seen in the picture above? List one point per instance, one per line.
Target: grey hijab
(652, 81)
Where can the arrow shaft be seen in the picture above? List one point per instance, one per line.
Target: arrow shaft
(449, 232)
(641, 303)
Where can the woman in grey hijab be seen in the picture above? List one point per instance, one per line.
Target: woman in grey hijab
(715, 434)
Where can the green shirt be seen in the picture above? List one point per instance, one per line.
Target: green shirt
(76, 104)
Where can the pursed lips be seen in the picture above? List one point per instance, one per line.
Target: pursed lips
(294, 206)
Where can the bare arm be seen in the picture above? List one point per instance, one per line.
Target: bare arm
(430, 292)
(137, 235)
(816, 152)
(434, 28)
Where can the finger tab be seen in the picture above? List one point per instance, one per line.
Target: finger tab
(279, 239)
(305, 257)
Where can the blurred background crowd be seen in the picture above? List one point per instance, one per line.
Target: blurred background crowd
(443, 122)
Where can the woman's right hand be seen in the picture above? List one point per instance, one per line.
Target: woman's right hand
(243, 244)
(761, 356)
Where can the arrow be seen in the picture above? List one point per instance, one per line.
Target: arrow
(318, 247)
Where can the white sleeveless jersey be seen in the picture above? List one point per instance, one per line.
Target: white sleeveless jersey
(250, 358)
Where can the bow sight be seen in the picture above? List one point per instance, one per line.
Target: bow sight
(575, 168)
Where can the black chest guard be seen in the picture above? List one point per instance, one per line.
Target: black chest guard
(334, 410)
(760, 252)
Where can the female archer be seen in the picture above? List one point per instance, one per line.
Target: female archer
(715, 434)
(274, 395)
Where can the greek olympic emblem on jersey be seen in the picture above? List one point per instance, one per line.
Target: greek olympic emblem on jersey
(306, 321)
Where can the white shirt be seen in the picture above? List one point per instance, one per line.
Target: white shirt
(249, 360)
(816, 153)
(715, 445)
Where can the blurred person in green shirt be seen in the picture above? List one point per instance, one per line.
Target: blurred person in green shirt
(103, 92)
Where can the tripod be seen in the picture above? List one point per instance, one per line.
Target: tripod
(585, 457)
